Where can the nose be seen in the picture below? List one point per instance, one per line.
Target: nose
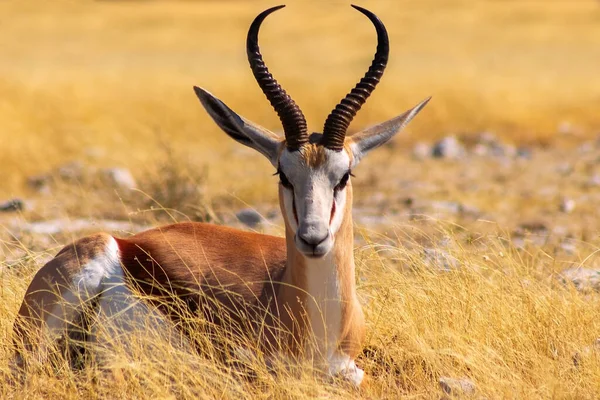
(312, 240)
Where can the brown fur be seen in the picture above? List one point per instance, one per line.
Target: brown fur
(313, 155)
(202, 263)
(353, 321)
(259, 281)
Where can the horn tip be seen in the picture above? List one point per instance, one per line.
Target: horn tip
(422, 104)
(199, 90)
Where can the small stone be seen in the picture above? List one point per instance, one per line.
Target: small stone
(377, 198)
(439, 259)
(445, 207)
(448, 148)
(249, 217)
(586, 352)
(372, 220)
(14, 257)
(457, 387)
(561, 231)
(453, 207)
(489, 145)
(565, 128)
(567, 205)
(568, 246)
(469, 211)
(524, 153)
(518, 242)
(39, 183)
(407, 201)
(536, 227)
(585, 148)
(594, 181)
(578, 356)
(548, 191)
(273, 214)
(488, 138)
(120, 177)
(72, 171)
(584, 279)
(503, 150)
(12, 205)
(421, 151)
(480, 150)
(564, 168)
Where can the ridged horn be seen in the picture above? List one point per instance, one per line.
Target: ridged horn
(292, 119)
(336, 125)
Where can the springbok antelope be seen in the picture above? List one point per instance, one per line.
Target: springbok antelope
(304, 282)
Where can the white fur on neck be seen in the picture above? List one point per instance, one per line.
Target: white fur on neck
(324, 304)
(324, 307)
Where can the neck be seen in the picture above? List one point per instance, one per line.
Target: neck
(320, 294)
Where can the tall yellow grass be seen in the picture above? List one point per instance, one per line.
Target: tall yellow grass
(109, 82)
(503, 319)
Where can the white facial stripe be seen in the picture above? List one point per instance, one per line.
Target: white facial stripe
(288, 202)
(338, 217)
(314, 194)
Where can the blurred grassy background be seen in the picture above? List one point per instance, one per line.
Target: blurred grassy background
(109, 83)
(114, 78)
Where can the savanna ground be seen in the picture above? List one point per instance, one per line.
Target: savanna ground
(460, 261)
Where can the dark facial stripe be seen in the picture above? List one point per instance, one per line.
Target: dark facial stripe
(294, 208)
(332, 212)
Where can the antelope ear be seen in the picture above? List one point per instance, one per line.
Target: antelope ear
(364, 141)
(239, 128)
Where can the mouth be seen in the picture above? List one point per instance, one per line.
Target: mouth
(312, 252)
(314, 255)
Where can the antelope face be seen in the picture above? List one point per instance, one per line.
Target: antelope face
(314, 171)
(313, 186)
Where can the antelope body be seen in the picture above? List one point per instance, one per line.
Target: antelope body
(303, 282)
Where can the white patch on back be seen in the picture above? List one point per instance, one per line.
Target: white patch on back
(120, 311)
(105, 264)
(85, 285)
(123, 313)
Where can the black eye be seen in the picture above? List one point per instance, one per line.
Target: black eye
(343, 182)
(284, 180)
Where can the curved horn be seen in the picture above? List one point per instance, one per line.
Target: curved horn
(292, 119)
(336, 125)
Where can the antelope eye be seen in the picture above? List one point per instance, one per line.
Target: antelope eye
(343, 182)
(284, 180)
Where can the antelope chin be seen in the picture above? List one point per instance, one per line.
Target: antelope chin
(314, 255)
(314, 252)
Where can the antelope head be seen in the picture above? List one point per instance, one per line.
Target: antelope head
(314, 169)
